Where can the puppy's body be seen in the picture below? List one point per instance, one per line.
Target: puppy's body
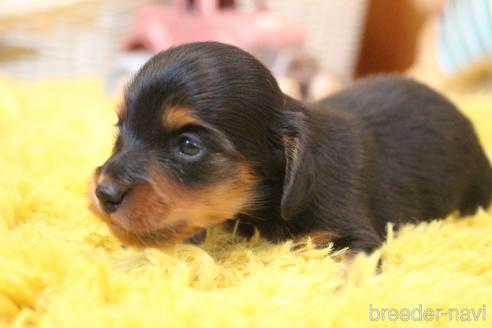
(386, 149)
(206, 136)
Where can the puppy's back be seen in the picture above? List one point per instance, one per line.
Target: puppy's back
(426, 160)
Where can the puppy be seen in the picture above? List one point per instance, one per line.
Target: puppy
(206, 137)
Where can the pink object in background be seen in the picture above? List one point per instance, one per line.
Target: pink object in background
(157, 27)
(274, 39)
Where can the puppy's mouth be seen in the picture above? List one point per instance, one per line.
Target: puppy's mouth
(159, 237)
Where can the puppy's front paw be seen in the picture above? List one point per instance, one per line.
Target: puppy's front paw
(198, 238)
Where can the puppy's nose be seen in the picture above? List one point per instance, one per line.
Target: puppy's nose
(110, 195)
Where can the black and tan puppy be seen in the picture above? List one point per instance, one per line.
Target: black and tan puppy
(206, 136)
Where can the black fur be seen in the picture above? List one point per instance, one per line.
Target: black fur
(387, 149)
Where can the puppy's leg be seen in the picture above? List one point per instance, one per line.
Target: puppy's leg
(198, 238)
(359, 240)
(239, 227)
(478, 193)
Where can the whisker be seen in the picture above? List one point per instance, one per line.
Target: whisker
(253, 216)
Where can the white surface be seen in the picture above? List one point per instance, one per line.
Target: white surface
(334, 29)
(17, 7)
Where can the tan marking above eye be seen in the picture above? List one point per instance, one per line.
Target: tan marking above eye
(120, 109)
(175, 118)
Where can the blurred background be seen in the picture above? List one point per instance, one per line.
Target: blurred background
(313, 46)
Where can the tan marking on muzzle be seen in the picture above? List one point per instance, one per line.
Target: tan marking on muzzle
(162, 210)
(207, 205)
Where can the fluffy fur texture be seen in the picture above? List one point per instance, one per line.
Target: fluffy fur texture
(61, 267)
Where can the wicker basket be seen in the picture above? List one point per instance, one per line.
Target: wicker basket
(63, 37)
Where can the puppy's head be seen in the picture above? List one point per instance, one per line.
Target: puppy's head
(195, 134)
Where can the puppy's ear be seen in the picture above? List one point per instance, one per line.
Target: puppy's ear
(300, 168)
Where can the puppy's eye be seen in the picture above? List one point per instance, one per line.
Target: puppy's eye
(188, 146)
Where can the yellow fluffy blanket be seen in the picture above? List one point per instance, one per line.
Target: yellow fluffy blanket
(60, 267)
